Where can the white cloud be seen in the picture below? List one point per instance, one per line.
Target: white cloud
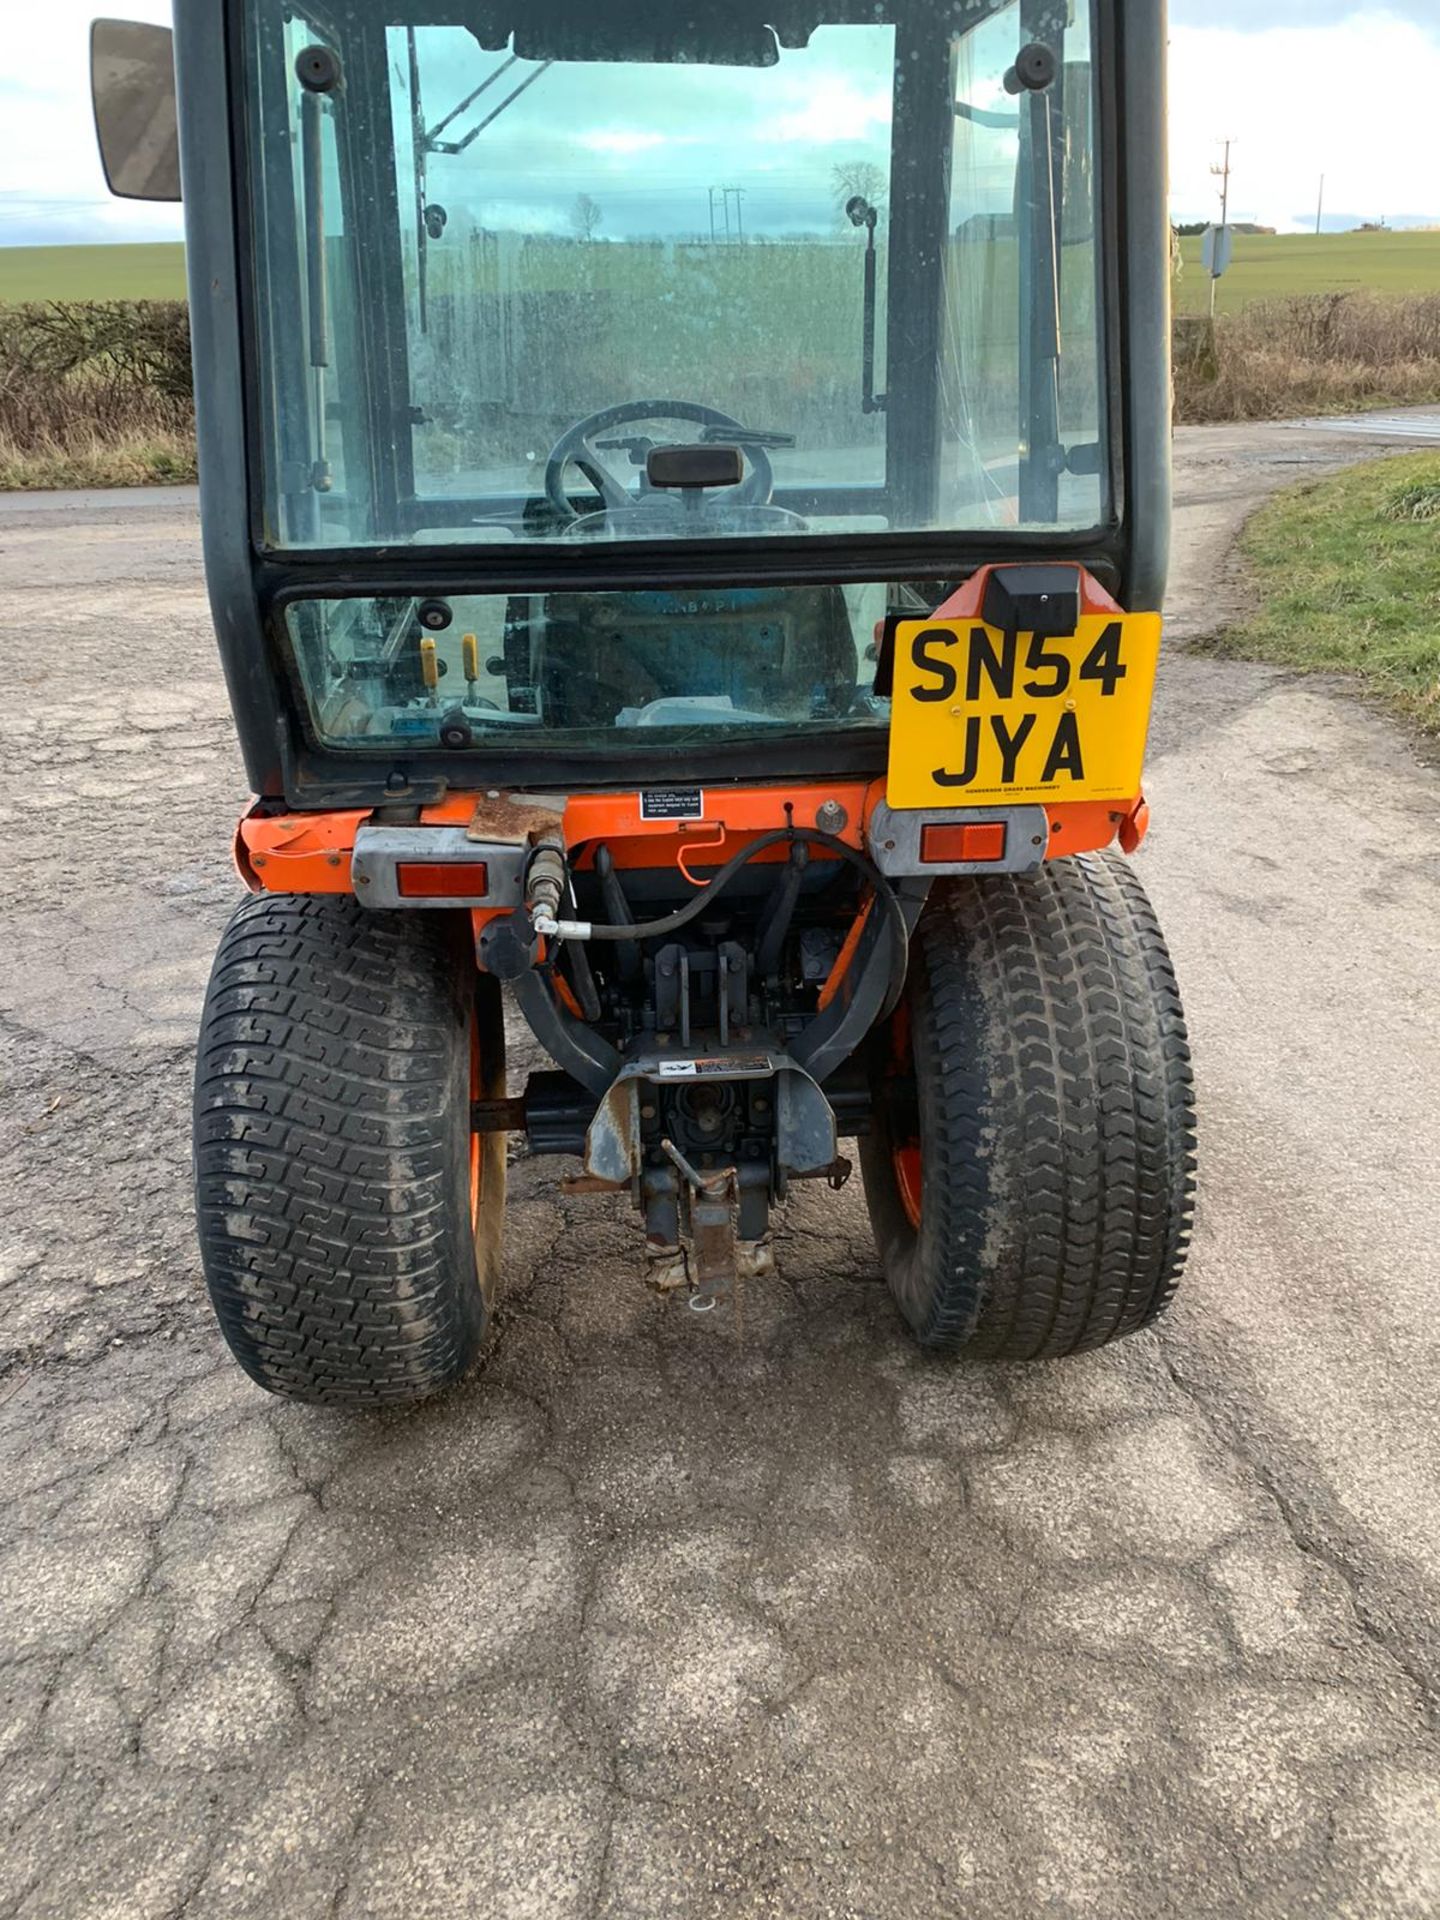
(1298, 102)
(621, 140)
(51, 186)
(836, 109)
(1287, 13)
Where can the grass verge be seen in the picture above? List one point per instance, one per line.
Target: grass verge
(155, 459)
(1348, 573)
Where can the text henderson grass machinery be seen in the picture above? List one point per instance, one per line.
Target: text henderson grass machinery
(685, 500)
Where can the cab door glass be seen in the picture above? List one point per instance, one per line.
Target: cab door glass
(1021, 364)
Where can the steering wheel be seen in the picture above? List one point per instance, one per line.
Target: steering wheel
(577, 445)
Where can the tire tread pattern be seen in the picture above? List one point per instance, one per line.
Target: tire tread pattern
(1056, 1114)
(332, 1150)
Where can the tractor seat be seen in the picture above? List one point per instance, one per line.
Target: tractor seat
(779, 653)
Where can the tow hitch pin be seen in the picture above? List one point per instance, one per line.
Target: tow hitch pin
(691, 1174)
(713, 1232)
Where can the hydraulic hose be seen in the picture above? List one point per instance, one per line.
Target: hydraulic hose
(809, 836)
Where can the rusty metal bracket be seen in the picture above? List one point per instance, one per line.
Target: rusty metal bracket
(586, 1183)
(805, 1122)
(712, 1230)
(516, 818)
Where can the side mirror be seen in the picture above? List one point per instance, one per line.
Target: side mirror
(132, 83)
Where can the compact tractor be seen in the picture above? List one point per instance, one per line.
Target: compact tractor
(685, 495)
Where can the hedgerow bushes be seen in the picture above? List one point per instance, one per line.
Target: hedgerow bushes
(1317, 353)
(95, 393)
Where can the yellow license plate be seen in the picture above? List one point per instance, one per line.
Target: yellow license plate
(980, 716)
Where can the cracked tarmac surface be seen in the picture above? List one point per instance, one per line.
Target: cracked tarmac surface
(643, 1621)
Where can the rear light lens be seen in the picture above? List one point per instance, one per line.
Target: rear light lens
(442, 880)
(946, 845)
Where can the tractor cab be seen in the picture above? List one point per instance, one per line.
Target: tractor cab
(685, 501)
(673, 353)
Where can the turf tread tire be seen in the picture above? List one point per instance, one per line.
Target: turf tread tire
(332, 1149)
(1056, 1117)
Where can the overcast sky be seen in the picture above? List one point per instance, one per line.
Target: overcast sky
(1321, 86)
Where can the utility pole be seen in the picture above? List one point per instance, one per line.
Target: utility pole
(1222, 174)
(1320, 210)
(727, 194)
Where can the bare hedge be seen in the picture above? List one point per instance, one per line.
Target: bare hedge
(81, 380)
(1320, 353)
(75, 371)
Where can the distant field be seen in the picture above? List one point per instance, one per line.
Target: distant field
(154, 271)
(1271, 266)
(1264, 268)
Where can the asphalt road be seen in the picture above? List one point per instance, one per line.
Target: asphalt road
(644, 1623)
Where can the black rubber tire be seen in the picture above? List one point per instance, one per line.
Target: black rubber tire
(333, 1149)
(1051, 1095)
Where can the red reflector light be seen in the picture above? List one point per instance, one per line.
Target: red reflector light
(978, 840)
(441, 879)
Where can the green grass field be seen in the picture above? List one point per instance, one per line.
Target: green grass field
(1264, 268)
(1270, 266)
(155, 271)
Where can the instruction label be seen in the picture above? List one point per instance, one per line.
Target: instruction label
(673, 803)
(724, 1066)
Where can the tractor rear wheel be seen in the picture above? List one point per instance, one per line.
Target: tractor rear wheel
(1030, 1170)
(349, 1216)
